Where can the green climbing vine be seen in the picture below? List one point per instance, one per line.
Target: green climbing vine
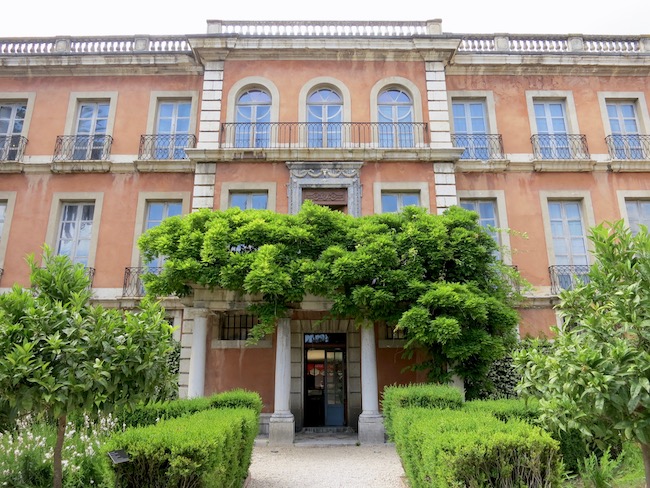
(437, 277)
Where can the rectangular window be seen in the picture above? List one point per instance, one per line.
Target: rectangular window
(90, 135)
(156, 213)
(249, 200)
(3, 213)
(569, 242)
(173, 129)
(552, 134)
(638, 213)
(470, 128)
(487, 216)
(235, 327)
(12, 119)
(623, 123)
(395, 201)
(75, 231)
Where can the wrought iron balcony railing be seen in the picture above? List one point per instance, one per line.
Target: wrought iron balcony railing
(630, 146)
(133, 285)
(567, 276)
(12, 148)
(83, 148)
(165, 146)
(560, 146)
(484, 147)
(334, 135)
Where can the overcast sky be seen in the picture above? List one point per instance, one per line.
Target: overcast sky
(45, 18)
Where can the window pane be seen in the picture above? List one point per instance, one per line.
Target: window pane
(155, 212)
(238, 200)
(411, 199)
(388, 202)
(174, 209)
(259, 201)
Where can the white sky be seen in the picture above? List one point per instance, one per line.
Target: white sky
(46, 18)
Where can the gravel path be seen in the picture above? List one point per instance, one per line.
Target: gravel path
(365, 466)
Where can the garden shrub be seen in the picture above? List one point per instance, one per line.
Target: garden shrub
(445, 448)
(237, 398)
(396, 397)
(505, 409)
(150, 413)
(502, 380)
(209, 449)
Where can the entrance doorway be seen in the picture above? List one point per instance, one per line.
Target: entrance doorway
(325, 387)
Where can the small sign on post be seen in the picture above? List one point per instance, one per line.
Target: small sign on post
(119, 457)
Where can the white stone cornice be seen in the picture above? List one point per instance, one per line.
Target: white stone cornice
(93, 65)
(208, 48)
(550, 64)
(414, 155)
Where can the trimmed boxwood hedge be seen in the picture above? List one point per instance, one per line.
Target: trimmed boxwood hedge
(209, 449)
(150, 413)
(419, 395)
(506, 409)
(446, 448)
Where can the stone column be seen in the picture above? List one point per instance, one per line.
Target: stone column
(196, 381)
(282, 423)
(371, 422)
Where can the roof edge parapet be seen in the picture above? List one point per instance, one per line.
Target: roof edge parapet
(553, 44)
(325, 28)
(94, 45)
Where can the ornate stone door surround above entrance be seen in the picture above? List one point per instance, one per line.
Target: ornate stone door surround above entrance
(325, 175)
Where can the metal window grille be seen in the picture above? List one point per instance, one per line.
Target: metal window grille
(236, 327)
(396, 334)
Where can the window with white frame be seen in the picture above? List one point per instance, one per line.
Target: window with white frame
(569, 242)
(638, 213)
(3, 213)
(252, 119)
(246, 200)
(324, 118)
(91, 137)
(487, 214)
(625, 141)
(12, 119)
(173, 123)
(471, 128)
(552, 133)
(395, 117)
(75, 231)
(395, 201)
(156, 212)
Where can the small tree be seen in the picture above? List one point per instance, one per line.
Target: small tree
(61, 355)
(596, 375)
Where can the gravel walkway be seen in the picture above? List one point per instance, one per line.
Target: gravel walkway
(365, 466)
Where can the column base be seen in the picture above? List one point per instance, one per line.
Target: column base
(371, 429)
(282, 429)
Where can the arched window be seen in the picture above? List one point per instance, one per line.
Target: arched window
(324, 118)
(395, 117)
(253, 119)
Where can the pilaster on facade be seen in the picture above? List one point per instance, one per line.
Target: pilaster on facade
(439, 128)
(445, 181)
(204, 181)
(211, 102)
